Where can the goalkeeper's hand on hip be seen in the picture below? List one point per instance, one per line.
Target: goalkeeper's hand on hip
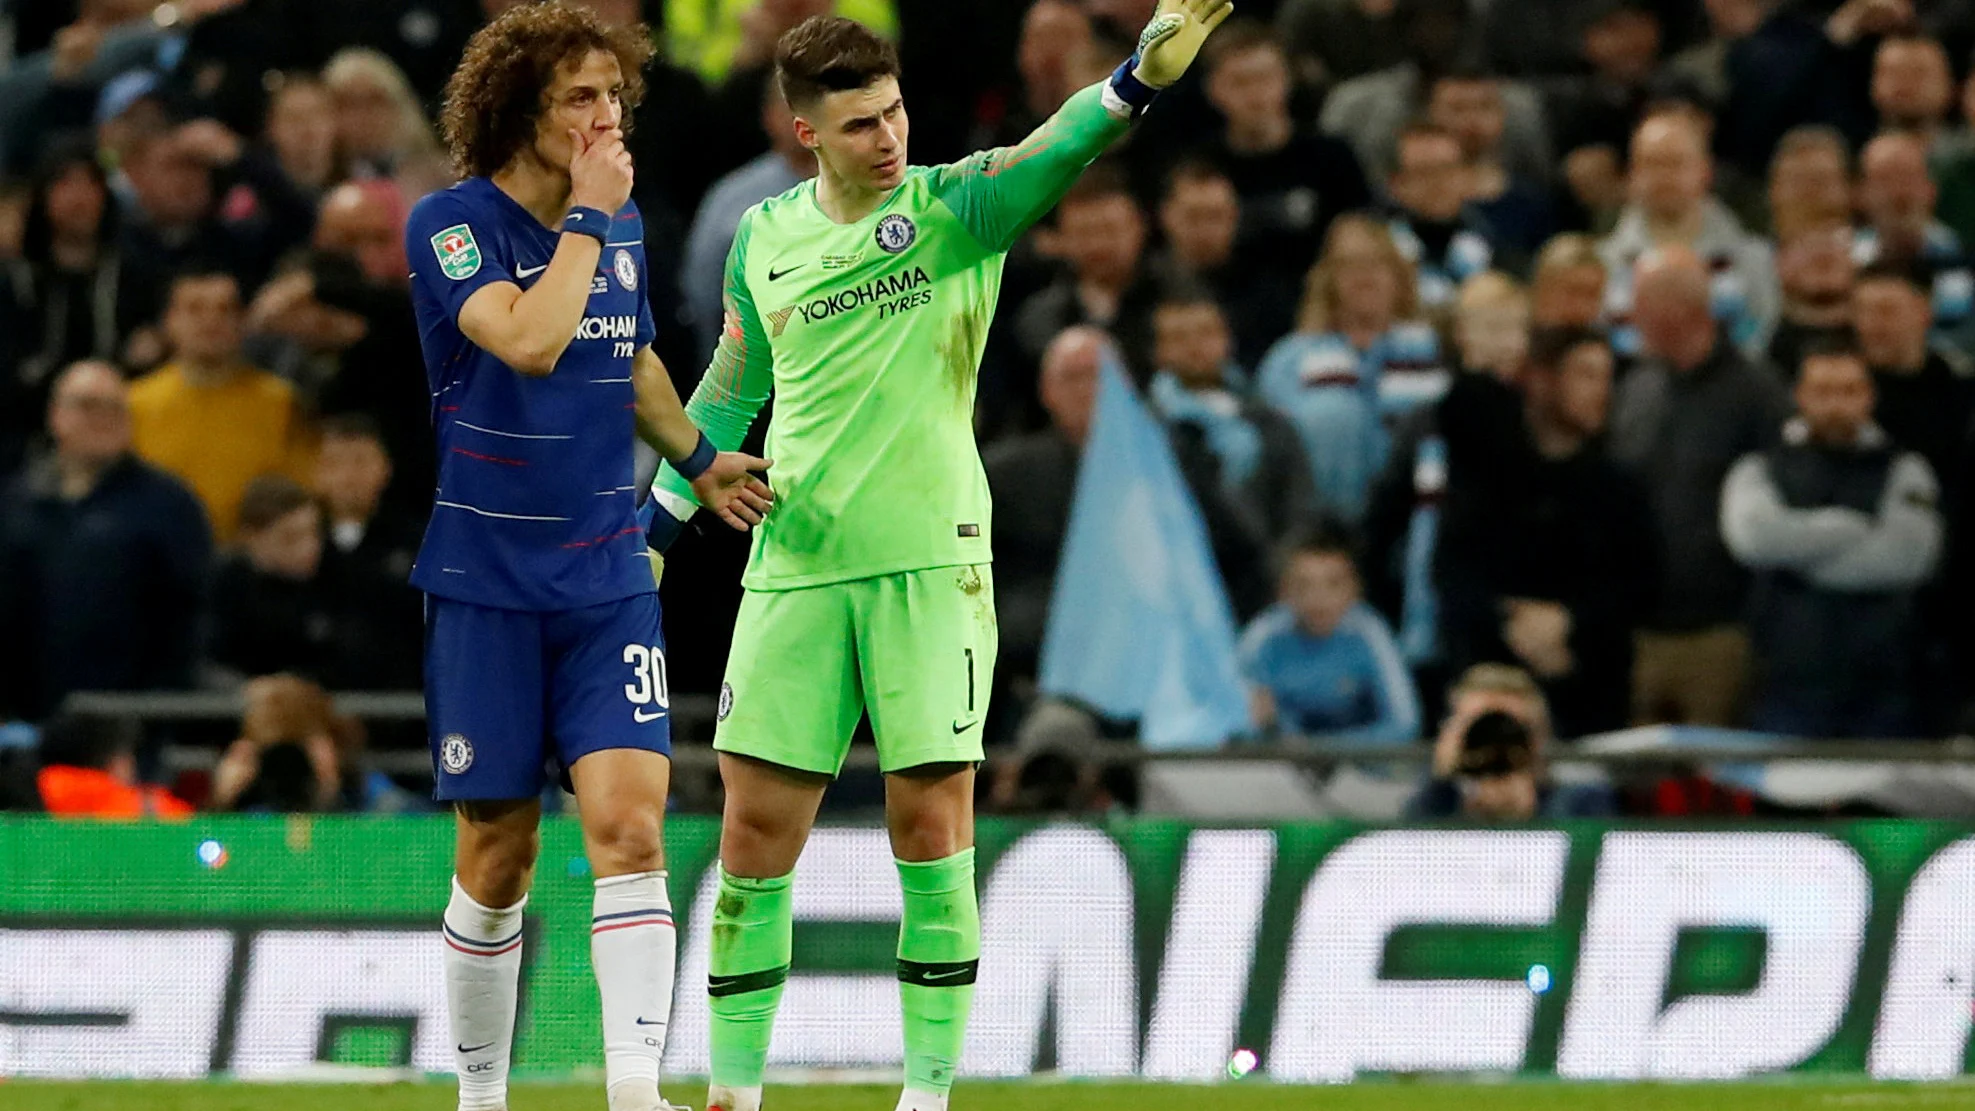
(1174, 37)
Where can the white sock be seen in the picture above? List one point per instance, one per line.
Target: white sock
(733, 1099)
(483, 972)
(634, 949)
(912, 1099)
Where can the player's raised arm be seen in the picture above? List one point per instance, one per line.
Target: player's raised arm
(730, 394)
(530, 330)
(999, 193)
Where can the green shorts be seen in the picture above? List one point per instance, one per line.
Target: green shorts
(915, 649)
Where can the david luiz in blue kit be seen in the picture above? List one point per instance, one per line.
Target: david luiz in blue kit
(543, 650)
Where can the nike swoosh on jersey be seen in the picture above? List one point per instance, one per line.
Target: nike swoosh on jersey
(959, 728)
(775, 275)
(641, 717)
(529, 271)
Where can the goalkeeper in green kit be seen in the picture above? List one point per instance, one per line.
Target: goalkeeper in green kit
(862, 299)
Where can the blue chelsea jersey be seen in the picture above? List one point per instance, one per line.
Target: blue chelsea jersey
(535, 507)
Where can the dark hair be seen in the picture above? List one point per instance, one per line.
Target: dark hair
(1424, 129)
(351, 426)
(830, 54)
(1838, 343)
(1551, 344)
(1885, 271)
(1239, 36)
(270, 497)
(1183, 294)
(1193, 170)
(495, 97)
(201, 269)
(77, 152)
(1320, 538)
(87, 742)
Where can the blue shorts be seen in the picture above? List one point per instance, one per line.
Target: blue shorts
(514, 698)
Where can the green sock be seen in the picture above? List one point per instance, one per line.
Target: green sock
(752, 929)
(939, 950)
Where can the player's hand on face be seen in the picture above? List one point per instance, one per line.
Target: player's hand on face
(600, 170)
(730, 489)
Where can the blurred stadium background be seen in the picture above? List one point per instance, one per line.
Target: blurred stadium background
(1451, 650)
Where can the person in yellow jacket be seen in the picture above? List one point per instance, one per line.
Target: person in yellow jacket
(714, 37)
(207, 416)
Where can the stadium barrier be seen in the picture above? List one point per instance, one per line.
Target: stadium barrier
(268, 947)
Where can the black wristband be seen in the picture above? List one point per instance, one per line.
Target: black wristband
(694, 465)
(593, 222)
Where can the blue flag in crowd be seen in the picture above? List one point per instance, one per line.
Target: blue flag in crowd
(1139, 624)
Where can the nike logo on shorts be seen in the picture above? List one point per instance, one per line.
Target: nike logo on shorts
(642, 717)
(959, 728)
(529, 271)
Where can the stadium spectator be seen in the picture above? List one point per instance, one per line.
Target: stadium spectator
(103, 559)
(1292, 182)
(1359, 354)
(1491, 326)
(1817, 274)
(207, 416)
(381, 130)
(173, 222)
(1100, 236)
(1841, 528)
(1767, 68)
(1912, 86)
(1490, 759)
(89, 770)
(1432, 225)
(70, 295)
(1896, 198)
(1322, 664)
(1548, 563)
(1199, 218)
(1953, 162)
(1810, 186)
(1513, 212)
(1330, 41)
(56, 89)
(1033, 480)
(273, 609)
(1924, 394)
(1683, 416)
(300, 133)
(1591, 115)
(1568, 287)
(287, 758)
(784, 165)
(353, 292)
(1671, 174)
(1369, 111)
(1261, 467)
(368, 557)
(1054, 36)
(1469, 433)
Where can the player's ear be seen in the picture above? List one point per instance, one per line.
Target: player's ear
(805, 133)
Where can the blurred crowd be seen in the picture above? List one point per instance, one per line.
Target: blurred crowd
(1610, 353)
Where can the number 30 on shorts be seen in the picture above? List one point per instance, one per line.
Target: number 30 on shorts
(648, 676)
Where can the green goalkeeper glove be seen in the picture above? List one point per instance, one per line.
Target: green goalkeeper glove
(657, 565)
(1174, 37)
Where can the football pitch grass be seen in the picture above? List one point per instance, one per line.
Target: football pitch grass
(1789, 1095)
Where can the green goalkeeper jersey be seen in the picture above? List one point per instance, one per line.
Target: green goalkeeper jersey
(870, 336)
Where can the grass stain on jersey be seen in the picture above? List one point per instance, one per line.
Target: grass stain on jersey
(960, 349)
